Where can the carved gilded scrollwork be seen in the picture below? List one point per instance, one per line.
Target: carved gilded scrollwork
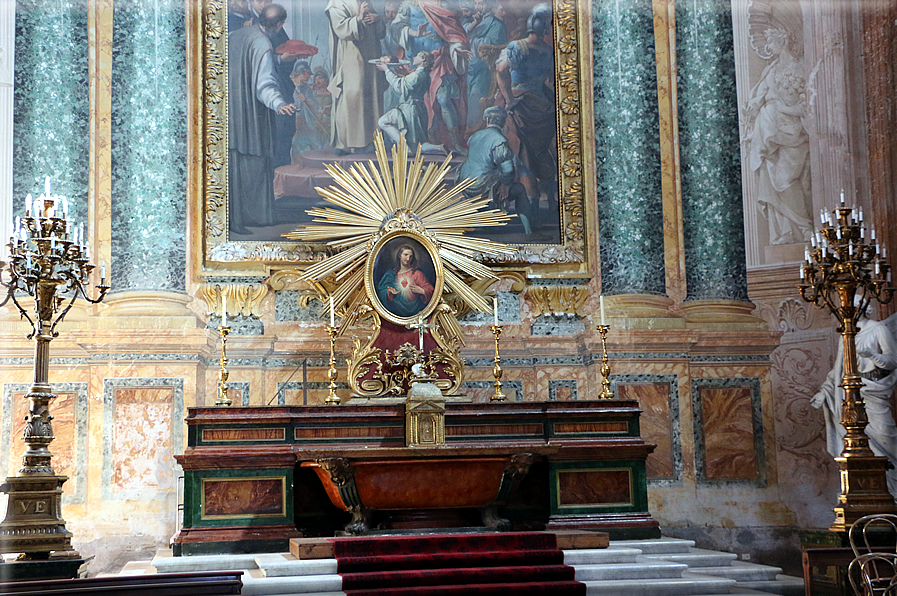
(242, 299)
(558, 300)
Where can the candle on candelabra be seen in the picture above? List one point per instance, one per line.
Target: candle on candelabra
(65, 207)
(47, 186)
(861, 214)
(332, 313)
(495, 310)
(224, 310)
(28, 205)
(103, 272)
(842, 196)
(601, 305)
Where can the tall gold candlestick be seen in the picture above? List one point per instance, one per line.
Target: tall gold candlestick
(332, 398)
(498, 395)
(846, 270)
(223, 399)
(606, 393)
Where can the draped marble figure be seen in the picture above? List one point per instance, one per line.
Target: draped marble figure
(876, 345)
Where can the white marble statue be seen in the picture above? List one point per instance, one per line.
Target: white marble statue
(877, 363)
(779, 150)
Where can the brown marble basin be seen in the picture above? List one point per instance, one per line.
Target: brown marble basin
(363, 481)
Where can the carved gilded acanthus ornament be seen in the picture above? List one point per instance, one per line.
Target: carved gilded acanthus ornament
(242, 299)
(209, 40)
(558, 300)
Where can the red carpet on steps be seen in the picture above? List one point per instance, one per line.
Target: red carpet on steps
(447, 564)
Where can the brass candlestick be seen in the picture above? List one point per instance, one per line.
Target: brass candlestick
(332, 398)
(845, 272)
(606, 393)
(50, 262)
(223, 399)
(498, 395)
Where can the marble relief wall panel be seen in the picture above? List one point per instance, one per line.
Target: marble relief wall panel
(781, 81)
(143, 431)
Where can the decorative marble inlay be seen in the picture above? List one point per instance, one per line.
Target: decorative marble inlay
(238, 389)
(562, 390)
(627, 147)
(239, 325)
(313, 394)
(482, 390)
(142, 430)
(508, 311)
(69, 448)
(149, 145)
(51, 126)
(288, 307)
(231, 498)
(557, 325)
(605, 487)
(709, 148)
(728, 427)
(658, 397)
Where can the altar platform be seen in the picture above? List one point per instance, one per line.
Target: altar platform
(257, 477)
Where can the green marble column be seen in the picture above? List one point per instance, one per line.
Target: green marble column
(627, 142)
(712, 212)
(149, 146)
(51, 102)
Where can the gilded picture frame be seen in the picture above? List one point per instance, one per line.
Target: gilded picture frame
(403, 277)
(220, 252)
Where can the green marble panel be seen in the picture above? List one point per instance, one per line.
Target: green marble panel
(627, 142)
(51, 119)
(710, 155)
(149, 146)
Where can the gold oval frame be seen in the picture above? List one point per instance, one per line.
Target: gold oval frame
(370, 264)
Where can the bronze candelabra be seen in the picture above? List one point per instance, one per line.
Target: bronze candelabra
(49, 261)
(498, 394)
(606, 392)
(844, 271)
(332, 397)
(222, 399)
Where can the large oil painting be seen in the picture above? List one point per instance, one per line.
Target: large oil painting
(306, 83)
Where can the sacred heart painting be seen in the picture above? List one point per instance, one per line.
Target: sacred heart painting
(403, 278)
(308, 83)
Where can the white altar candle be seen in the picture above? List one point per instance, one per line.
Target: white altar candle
(842, 196)
(103, 271)
(861, 214)
(801, 272)
(28, 205)
(47, 186)
(224, 310)
(495, 310)
(332, 314)
(601, 304)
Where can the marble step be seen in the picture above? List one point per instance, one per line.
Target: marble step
(255, 583)
(601, 556)
(740, 571)
(657, 545)
(621, 571)
(681, 586)
(164, 562)
(285, 565)
(786, 585)
(697, 557)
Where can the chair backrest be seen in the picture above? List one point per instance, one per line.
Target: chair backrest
(874, 534)
(874, 574)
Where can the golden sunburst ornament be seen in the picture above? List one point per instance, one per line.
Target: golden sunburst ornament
(378, 202)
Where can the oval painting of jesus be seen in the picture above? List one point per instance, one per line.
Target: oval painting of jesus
(403, 281)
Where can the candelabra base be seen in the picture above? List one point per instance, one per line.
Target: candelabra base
(34, 524)
(864, 490)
